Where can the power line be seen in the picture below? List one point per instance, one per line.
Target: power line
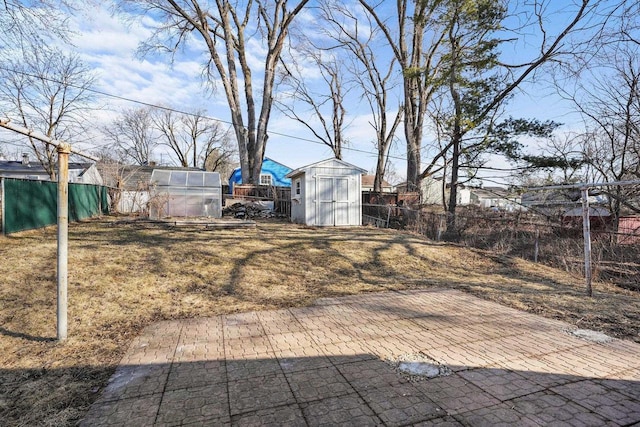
(171, 109)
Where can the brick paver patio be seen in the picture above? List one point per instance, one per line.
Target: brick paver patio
(335, 364)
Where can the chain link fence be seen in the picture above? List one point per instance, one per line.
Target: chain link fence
(554, 240)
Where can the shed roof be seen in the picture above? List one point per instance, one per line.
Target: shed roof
(593, 211)
(323, 163)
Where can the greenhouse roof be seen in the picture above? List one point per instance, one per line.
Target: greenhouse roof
(185, 178)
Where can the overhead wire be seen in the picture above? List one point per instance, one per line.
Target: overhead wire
(175, 110)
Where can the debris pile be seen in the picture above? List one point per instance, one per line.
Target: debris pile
(249, 210)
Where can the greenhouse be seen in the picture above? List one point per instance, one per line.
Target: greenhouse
(185, 193)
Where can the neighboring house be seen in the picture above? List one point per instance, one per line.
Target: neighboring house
(367, 184)
(629, 229)
(487, 197)
(599, 217)
(82, 173)
(498, 198)
(431, 192)
(327, 193)
(129, 184)
(557, 202)
(271, 174)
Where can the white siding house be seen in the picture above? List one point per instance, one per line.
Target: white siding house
(327, 193)
(431, 192)
(84, 173)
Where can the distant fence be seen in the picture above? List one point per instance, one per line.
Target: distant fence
(393, 199)
(281, 196)
(385, 209)
(28, 205)
(551, 240)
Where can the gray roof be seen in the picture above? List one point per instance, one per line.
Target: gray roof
(132, 177)
(492, 192)
(16, 167)
(322, 163)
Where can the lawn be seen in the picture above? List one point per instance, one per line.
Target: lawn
(126, 275)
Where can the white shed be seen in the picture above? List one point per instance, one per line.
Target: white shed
(327, 193)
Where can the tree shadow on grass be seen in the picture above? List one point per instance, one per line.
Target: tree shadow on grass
(22, 335)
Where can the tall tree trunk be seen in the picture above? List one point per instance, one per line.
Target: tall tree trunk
(452, 230)
(380, 166)
(456, 138)
(414, 136)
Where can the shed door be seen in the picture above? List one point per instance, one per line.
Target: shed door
(333, 200)
(341, 196)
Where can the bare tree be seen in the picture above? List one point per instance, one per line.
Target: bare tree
(422, 39)
(114, 174)
(192, 138)
(415, 41)
(47, 90)
(606, 92)
(373, 76)
(226, 28)
(610, 105)
(324, 106)
(222, 158)
(351, 33)
(478, 85)
(133, 135)
(24, 23)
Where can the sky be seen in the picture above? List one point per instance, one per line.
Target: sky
(108, 44)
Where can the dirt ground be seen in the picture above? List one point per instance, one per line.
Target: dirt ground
(125, 275)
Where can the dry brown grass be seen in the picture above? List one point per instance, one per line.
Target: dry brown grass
(124, 276)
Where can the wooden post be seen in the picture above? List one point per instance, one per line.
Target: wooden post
(64, 150)
(2, 210)
(536, 247)
(586, 231)
(441, 225)
(63, 240)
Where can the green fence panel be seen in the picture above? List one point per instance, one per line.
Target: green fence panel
(84, 201)
(29, 204)
(34, 204)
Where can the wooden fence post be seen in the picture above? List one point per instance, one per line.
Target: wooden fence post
(63, 237)
(586, 231)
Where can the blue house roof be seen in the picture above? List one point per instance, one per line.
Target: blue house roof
(278, 173)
